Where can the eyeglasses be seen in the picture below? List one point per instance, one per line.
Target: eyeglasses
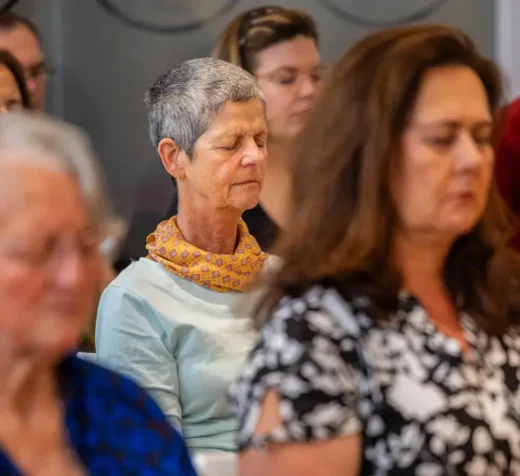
(36, 71)
(113, 238)
(44, 254)
(288, 77)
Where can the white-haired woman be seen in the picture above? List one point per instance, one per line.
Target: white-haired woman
(60, 415)
(173, 320)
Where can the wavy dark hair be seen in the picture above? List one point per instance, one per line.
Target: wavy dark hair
(12, 64)
(340, 229)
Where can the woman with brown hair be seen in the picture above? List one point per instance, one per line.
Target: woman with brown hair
(391, 343)
(279, 46)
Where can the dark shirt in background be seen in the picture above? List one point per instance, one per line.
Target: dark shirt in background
(258, 222)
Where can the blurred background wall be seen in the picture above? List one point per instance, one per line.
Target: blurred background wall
(103, 65)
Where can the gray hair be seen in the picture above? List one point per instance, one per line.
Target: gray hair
(183, 102)
(60, 146)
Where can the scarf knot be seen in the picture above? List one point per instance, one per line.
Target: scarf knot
(222, 273)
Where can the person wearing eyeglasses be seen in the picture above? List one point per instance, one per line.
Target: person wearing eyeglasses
(60, 415)
(21, 38)
(24, 88)
(13, 90)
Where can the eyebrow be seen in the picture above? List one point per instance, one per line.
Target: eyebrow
(295, 69)
(238, 133)
(282, 69)
(454, 124)
(229, 133)
(38, 64)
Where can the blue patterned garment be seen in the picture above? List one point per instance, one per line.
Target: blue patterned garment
(115, 428)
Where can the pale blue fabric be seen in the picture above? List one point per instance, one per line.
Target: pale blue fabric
(183, 343)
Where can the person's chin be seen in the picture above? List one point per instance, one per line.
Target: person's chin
(57, 349)
(462, 225)
(248, 203)
(297, 124)
(63, 333)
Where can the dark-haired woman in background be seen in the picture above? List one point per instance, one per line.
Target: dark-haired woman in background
(13, 90)
(392, 344)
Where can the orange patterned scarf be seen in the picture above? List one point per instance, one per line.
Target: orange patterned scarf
(222, 273)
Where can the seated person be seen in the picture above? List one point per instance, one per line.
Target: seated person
(60, 415)
(21, 38)
(280, 47)
(174, 320)
(390, 340)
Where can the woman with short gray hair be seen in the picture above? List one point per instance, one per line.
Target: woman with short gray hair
(173, 320)
(60, 415)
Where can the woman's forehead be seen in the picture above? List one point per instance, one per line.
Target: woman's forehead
(239, 117)
(300, 53)
(25, 185)
(11, 155)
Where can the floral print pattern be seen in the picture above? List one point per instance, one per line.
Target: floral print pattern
(421, 404)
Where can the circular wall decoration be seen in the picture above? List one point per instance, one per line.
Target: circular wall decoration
(7, 4)
(167, 16)
(383, 13)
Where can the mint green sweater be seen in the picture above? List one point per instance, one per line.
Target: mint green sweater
(182, 343)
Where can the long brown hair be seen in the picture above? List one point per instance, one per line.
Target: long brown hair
(255, 30)
(342, 219)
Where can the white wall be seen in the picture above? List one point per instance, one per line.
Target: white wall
(507, 42)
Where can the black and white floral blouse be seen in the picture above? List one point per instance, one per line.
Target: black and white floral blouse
(422, 406)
